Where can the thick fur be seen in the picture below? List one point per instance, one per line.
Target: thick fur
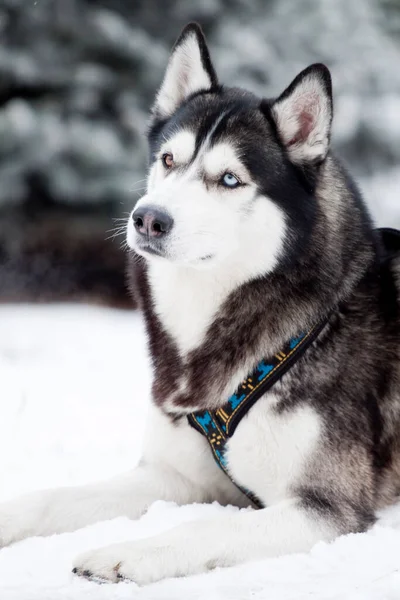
(242, 270)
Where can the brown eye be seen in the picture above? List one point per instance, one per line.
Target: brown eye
(168, 160)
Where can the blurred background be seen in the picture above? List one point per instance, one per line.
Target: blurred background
(76, 81)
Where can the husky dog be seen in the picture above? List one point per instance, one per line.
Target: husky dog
(250, 231)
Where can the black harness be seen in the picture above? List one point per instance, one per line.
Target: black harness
(219, 425)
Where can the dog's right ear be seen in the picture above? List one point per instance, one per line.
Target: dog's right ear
(189, 71)
(303, 115)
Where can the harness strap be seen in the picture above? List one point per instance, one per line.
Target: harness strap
(219, 425)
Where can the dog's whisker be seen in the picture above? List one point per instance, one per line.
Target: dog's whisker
(139, 181)
(114, 233)
(118, 229)
(139, 188)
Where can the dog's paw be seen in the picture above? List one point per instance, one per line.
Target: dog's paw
(13, 522)
(27, 516)
(126, 561)
(31, 515)
(184, 550)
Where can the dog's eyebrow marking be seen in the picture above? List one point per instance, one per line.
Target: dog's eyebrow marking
(206, 132)
(182, 146)
(205, 143)
(222, 157)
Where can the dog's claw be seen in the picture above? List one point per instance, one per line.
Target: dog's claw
(96, 578)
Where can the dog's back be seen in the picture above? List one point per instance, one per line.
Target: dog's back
(390, 406)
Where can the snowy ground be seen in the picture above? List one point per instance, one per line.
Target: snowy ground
(74, 387)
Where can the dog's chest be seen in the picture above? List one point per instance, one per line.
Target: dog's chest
(269, 452)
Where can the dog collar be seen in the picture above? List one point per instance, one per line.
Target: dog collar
(219, 425)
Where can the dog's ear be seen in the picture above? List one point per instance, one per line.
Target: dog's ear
(303, 115)
(189, 70)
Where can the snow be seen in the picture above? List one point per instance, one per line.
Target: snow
(74, 391)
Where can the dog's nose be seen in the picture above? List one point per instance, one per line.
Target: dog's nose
(152, 222)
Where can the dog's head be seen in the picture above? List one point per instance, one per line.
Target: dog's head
(232, 176)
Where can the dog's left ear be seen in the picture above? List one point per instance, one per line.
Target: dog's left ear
(303, 115)
(189, 71)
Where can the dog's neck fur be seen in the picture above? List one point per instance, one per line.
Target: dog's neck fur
(186, 300)
(208, 329)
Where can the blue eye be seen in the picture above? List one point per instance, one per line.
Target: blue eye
(229, 180)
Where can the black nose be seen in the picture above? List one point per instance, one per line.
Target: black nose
(152, 222)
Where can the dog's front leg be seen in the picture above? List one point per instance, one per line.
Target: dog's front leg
(203, 545)
(165, 473)
(66, 509)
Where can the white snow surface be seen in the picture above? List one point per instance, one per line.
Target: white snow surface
(74, 387)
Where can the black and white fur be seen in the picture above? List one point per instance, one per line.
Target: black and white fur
(226, 275)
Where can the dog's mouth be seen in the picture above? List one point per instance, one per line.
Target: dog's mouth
(151, 249)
